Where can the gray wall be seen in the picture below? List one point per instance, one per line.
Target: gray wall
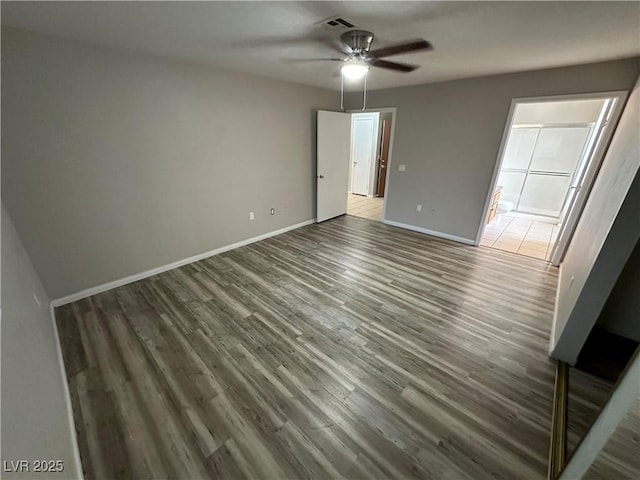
(605, 236)
(448, 135)
(621, 313)
(115, 163)
(35, 420)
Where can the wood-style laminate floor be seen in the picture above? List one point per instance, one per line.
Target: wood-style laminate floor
(586, 395)
(602, 360)
(620, 457)
(344, 349)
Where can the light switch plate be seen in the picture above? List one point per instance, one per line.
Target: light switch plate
(402, 167)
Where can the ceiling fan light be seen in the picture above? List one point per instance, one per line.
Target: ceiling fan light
(354, 71)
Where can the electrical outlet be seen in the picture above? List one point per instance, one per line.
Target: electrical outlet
(402, 167)
(252, 216)
(273, 211)
(418, 208)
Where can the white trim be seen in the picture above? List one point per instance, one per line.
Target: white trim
(595, 161)
(466, 241)
(66, 394)
(620, 94)
(375, 142)
(571, 96)
(496, 171)
(57, 302)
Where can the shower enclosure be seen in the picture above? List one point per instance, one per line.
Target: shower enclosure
(540, 165)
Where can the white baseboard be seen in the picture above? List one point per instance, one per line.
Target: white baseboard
(466, 241)
(57, 302)
(67, 395)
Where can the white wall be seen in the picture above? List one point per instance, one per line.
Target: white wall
(605, 236)
(115, 163)
(570, 111)
(35, 416)
(448, 135)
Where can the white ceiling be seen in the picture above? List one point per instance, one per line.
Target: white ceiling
(470, 38)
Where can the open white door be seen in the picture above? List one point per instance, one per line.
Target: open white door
(334, 152)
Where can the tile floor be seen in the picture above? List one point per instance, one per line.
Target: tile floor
(519, 235)
(365, 207)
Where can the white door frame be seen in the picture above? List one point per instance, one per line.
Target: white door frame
(621, 95)
(596, 156)
(375, 116)
(393, 111)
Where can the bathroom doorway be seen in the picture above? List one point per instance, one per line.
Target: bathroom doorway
(371, 140)
(551, 152)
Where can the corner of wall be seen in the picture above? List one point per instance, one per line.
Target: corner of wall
(37, 421)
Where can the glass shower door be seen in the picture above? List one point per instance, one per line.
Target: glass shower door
(556, 156)
(516, 160)
(539, 165)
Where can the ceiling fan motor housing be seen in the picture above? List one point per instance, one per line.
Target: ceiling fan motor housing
(357, 40)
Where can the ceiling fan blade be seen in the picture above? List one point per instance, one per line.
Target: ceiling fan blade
(398, 67)
(414, 46)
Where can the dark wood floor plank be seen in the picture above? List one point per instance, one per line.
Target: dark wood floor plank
(73, 348)
(347, 349)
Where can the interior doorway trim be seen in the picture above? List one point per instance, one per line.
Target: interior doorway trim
(599, 153)
(393, 111)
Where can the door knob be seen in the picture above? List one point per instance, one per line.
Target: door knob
(320, 176)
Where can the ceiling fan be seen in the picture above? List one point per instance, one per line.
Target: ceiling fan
(356, 45)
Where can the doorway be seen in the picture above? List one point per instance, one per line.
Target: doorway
(370, 154)
(340, 157)
(551, 152)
